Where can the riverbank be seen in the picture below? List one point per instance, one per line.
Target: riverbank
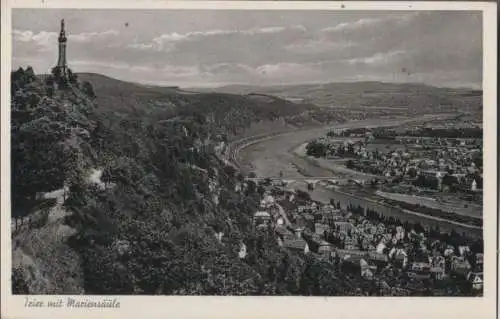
(336, 168)
(285, 153)
(324, 195)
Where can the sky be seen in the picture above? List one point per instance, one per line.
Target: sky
(207, 48)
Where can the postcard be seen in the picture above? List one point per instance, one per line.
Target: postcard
(238, 159)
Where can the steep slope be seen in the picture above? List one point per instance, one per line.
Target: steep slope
(168, 217)
(51, 132)
(231, 112)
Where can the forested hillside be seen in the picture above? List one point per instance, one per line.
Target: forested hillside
(169, 218)
(229, 113)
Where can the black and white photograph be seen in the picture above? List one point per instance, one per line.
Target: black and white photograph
(247, 152)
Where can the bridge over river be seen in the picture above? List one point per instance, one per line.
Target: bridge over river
(273, 158)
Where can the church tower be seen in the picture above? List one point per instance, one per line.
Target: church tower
(61, 62)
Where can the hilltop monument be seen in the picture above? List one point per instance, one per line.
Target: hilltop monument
(61, 62)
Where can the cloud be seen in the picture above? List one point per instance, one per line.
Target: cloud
(141, 46)
(167, 42)
(353, 25)
(92, 36)
(43, 40)
(312, 46)
(371, 22)
(48, 40)
(254, 31)
(378, 58)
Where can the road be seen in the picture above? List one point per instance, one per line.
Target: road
(268, 156)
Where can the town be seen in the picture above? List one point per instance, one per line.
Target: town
(432, 170)
(442, 159)
(401, 258)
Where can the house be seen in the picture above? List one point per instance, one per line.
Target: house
(269, 200)
(460, 266)
(298, 231)
(473, 186)
(321, 228)
(437, 273)
(277, 182)
(261, 218)
(308, 220)
(302, 208)
(296, 244)
(237, 187)
(325, 247)
(400, 233)
(219, 236)
(319, 217)
(351, 263)
(344, 227)
(449, 251)
(243, 251)
(420, 270)
(379, 257)
(464, 250)
(380, 247)
(477, 280)
(399, 256)
(367, 269)
(479, 260)
(350, 243)
(429, 173)
(396, 291)
(328, 208)
(283, 233)
(347, 253)
(280, 221)
(438, 261)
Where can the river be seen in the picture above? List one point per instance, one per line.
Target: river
(268, 157)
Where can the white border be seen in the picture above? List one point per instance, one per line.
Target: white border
(271, 307)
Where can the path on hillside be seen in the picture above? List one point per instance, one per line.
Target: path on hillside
(283, 214)
(58, 211)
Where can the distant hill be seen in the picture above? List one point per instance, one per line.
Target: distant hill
(413, 96)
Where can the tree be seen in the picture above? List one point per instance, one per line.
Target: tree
(88, 89)
(19, 285)
(72, 78)
(316, 149)
(104, 274)
(37, 157)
